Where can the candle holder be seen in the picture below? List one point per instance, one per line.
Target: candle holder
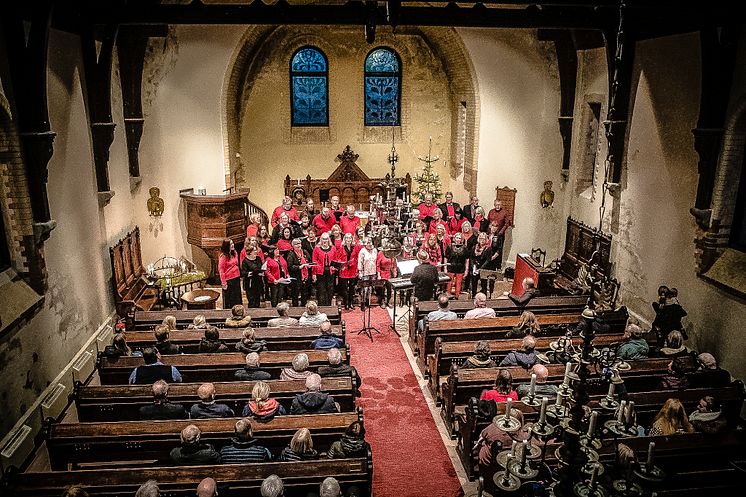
(522, 469)
(650, 473)
(531, 400)
(506, 482)
(608, 403)
(626, 488)
(507, 423)
(619, 429)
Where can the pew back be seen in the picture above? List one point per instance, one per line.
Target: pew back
(146, 320)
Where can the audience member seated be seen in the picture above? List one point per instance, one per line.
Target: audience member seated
(249, 343)
(252, 371)
(119, 348)
(634, 345)
(708, 418)
(542, 388)
(162, 342)
(708, 373)
(299, 369)
(153, 370)
(492, 440)
(272, 487)
(74, 491)
(238, 318)
(671, 420)
(503, 388)
(529, 291)
(207, 407)
(170, 322)
(326, 340)
(244, 447)
(148, 489)
(313, 400)
(211, 343)
(442, 313)
(192, 451)
(352, 443)
(525, 357)
(283, 320)
(481, 357)
(330, 488)
(161, 408)
(480, 308)
(261, 407)
(674, 346)
(311, 316)
(528, 325)
(676, 378)
(336, 367)
(198, 323)
(300, 448)
(208, 487)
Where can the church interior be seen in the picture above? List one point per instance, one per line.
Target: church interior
(138, 133)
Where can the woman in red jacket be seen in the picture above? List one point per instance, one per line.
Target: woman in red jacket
(323, 271)
(230, 274)
(276, 273)
(346, 258)
(386, 270)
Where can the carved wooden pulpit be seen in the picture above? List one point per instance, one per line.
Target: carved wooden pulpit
(212, 218)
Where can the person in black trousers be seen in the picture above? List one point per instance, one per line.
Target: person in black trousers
(298, 266)
(253, 277)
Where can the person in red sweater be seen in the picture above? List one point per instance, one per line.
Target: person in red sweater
(427, 207)
(255, 221)
(324, 221)
(346, 259)
(276, 273)
(336, 235)
(349, 222)
(386, 267)
(501, 221)
(285, 242)
(456, 221)
(432, 247)
(323, 270)
(503, 388)
(437, 221)
(285, 208)
(230, 274)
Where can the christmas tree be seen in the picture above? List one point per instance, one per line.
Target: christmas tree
(429, 180)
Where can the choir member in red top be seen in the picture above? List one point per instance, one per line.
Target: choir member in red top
(456, 221)
(285, 208)
(298, 260)
(359, 235)
(230, 274)
(255, 221)
(481, 223)
(386, 270)
(349, 222)
(276, 273)
(501, 221)
(449, 207)
(324, 221)
(432, 247)
(346, 258)
(437, 221)
(285, 243)
(323, 270)
(336, 235)
(427, 207)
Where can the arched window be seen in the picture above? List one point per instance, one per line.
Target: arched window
(382, 87)
(309, 88)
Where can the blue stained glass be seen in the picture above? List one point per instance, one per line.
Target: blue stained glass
(382, 88)
(381, 60)
(309, 79)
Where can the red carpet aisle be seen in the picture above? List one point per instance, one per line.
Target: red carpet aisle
(409, 458)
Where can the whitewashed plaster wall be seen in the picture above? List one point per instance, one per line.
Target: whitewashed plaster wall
(520, 145)
(653, 232)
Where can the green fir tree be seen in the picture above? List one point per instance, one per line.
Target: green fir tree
(428, 181)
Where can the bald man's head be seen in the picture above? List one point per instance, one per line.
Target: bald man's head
(206, 392)
(541, 373)
(326, 327)
(207, 488)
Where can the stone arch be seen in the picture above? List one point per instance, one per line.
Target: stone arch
(445, 43)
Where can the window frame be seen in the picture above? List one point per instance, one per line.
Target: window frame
(398, 75)
(293, 74)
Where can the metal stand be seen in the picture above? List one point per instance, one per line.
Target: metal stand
(406, 314)
(369, 284)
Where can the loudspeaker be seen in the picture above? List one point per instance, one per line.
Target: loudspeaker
(323, 195)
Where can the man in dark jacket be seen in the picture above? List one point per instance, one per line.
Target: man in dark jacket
(153, 370)
(244, 448)
(336, 367)
(207, 407)
(162, 343)
(326, 340)
(161, 408)
(211, 342)
(424, 277)
(192, 451)
(313, 401)
(529, 291)
(252, 372)
(525, 357)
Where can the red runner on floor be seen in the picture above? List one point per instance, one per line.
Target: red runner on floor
(409, 458)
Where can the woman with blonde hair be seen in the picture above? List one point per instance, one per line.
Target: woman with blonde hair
(671, 419)
(527, 325)
(300, 448)
(198, 323)
(170, 321)
(261, 407)
(674, 346)
(249, 343)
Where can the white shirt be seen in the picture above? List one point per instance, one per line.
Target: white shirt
(366, 262)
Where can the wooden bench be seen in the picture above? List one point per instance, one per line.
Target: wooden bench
(131, 289)
(71, 445)
(647, 405)
(147, 320)
(210, 367)
(122, 402)
(462, 384)
(234, 480)
(292, 338)
(450, 353)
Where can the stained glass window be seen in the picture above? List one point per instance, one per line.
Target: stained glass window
(382, 88)
(309, 94)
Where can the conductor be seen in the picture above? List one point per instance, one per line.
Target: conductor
(424, 277)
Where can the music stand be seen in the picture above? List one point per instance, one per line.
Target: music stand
(369, 283)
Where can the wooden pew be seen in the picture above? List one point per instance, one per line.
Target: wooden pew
(462, 384)
(122, 402)
(133, 442)
(293, 338)
(234, 480)
(647, 405)
(146, 320)
(209, 367)
(448, 353)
